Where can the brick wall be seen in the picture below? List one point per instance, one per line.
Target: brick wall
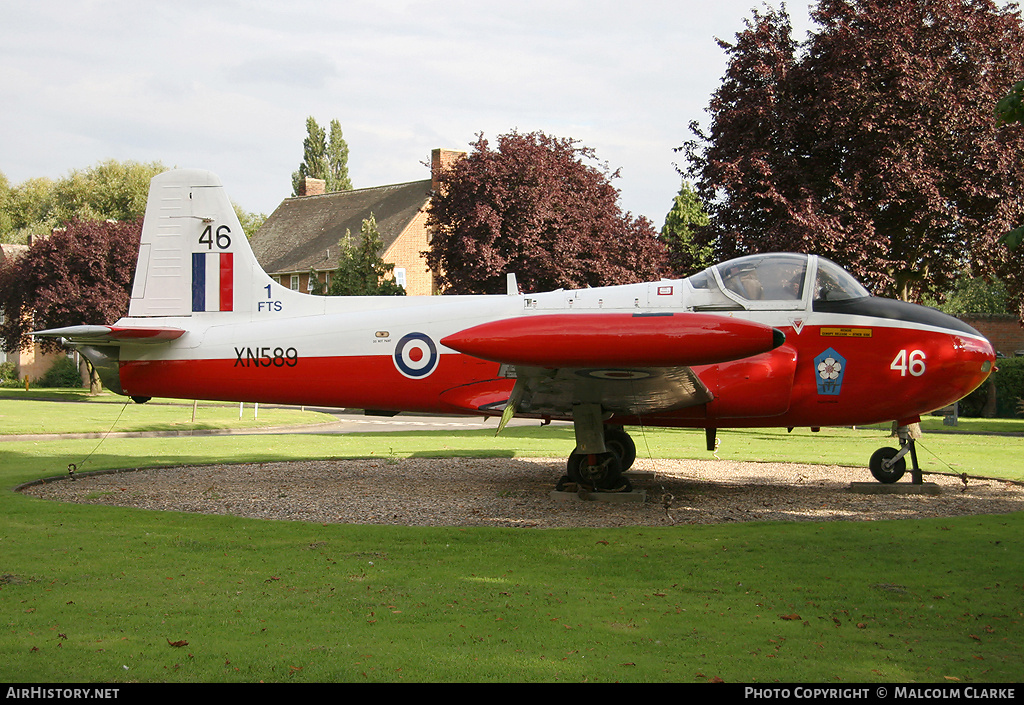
(312, 187)
(440, 160)
(405, 253)
(1004, 332)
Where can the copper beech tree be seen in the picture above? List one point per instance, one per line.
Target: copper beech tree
(540, 207)
(79, 274)
(872, 142)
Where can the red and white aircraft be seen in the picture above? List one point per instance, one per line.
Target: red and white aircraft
(779, 340)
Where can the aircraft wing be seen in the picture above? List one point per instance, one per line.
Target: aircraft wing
(632, 391)
(111, 335)
(628, 363)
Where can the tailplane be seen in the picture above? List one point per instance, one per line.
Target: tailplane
(194, 256)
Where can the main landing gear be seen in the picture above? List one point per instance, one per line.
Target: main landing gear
(888, 465)
(601, 456)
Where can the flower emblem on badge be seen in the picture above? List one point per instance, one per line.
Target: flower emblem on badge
(829, 368)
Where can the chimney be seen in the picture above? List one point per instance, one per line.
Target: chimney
(441, 160)
(312, 187)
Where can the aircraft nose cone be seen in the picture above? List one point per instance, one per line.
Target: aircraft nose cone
(977, 359)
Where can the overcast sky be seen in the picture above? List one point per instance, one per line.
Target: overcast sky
(227, 86)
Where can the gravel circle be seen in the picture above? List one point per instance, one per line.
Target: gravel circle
(516, 492)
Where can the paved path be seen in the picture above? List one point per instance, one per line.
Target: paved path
(346, 422)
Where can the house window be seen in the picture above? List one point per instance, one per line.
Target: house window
(295, 282)
(400, 276)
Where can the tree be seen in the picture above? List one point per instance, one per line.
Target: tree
(361, 271)
(250, 222)
(337, 160)
(973, 295)
(6, 224)
(323, 159)
(1010, 110)
(740, 163)
(314, 156)
(80, 274)
(872, 142)
(108, 190)
(537, 206)
(25, 210)
(685, 255)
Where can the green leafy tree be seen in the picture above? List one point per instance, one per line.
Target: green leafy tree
(110, 190)
(1010, 108)
(323, 158)
(6, 225)
(314, 156)
(685, 254)
(26, 210)
(250, 222)
(361, 270)
(973, 295)
(337, 160)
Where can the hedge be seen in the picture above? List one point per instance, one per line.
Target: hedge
(1009, 387)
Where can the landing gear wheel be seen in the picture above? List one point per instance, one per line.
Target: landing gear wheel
(881, 470)
(621, 444)
(601, 471)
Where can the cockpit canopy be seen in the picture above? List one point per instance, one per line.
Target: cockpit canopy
(771, 282)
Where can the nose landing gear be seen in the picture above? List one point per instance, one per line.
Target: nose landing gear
(888, 465)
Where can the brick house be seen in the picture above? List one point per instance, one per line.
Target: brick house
(302, 234)
(1005, 332)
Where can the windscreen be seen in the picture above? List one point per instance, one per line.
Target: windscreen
(836, 284)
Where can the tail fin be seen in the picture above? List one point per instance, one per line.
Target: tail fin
(194, 256)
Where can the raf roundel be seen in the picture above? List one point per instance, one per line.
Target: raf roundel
(415, 355)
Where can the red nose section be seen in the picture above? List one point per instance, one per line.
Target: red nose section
(953, 368)
(975, 361)
(611, 339)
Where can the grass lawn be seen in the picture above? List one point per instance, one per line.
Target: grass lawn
(103, 594)
(36, 413)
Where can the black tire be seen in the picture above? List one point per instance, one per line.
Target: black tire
(617, 441)
(605, 474)
(887, 475)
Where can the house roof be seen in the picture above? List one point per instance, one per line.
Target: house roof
(303, 233)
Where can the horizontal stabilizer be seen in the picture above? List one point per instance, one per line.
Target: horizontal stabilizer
(616, 339)
(111, 335)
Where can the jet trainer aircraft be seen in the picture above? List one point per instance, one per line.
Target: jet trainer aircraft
(775, 340)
